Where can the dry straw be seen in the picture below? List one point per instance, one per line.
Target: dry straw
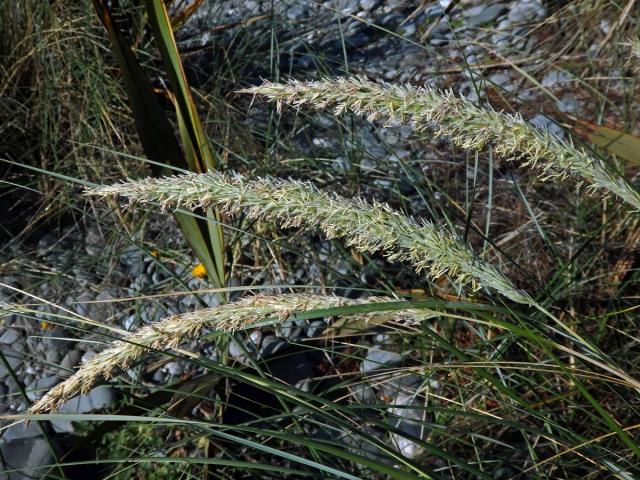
(468, 125)
(175, 330)
(368, 227)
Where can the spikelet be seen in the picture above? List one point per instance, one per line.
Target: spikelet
(468, 126)
(175, 330)
(367, 227)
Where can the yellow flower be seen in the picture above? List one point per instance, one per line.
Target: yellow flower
(199, 271)
(44, 325)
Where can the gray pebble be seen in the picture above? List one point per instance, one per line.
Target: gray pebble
(41, 386)
(484, 14)
(369, 4)
(159, 377)
(10, 336)
(290, 330)
(53, 357)
(542, 122)
(316, 328)
(86, 356)
(99, 398)
(556, 78)
(173, 368)
(129, 322)
(4, 391)
(21, 431)
(70, 360)
(272, 345)
(55, 339)
(377, 358)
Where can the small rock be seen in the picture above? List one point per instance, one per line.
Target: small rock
(382, 339)
(377, 358)
(408, 29)
(62, 426)
(236, 352)
(555, 78)
(272, 345)
(55, 339)
(105, 306)
(568, 105)
(255, 339)
(129, 322)
(86, 356)
(363, 393)
(132, 258)
(369, 5)
(173, 368)
(390, 21)
(542, 122)
(502, 80)
(316, 328)
(526, 10)
(408, 417)
(70, 361)
(100, 398)
(485, 14)
(21, 431)
(27, 456)
(42, 386)
(159, 377)
(53, 357)
(290, 330)
(80, 304)
(296, 12)
(10, 336)
(438, 41)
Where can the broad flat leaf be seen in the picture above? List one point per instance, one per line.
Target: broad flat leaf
(620, 144)
(198, 152)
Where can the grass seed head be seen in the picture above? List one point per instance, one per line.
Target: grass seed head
(467, 125)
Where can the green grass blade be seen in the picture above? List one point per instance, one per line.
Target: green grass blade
(199, 154)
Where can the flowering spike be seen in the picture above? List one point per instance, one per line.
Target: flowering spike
(366, 227)
(175, 330)
(468, 125)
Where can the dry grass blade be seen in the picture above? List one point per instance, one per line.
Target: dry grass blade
(468, 126)
(368, 227)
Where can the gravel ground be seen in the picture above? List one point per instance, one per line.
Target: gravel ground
(77, 268)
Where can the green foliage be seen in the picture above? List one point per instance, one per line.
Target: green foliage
(133, 441)
(542, 378)
(155, 130)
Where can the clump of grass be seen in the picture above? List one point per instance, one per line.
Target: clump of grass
(175, 330)
(368, 227)
(55, 98)
(468, 125)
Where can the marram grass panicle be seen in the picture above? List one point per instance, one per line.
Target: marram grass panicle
(468, 126)
(368, 227)
(174, 330)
